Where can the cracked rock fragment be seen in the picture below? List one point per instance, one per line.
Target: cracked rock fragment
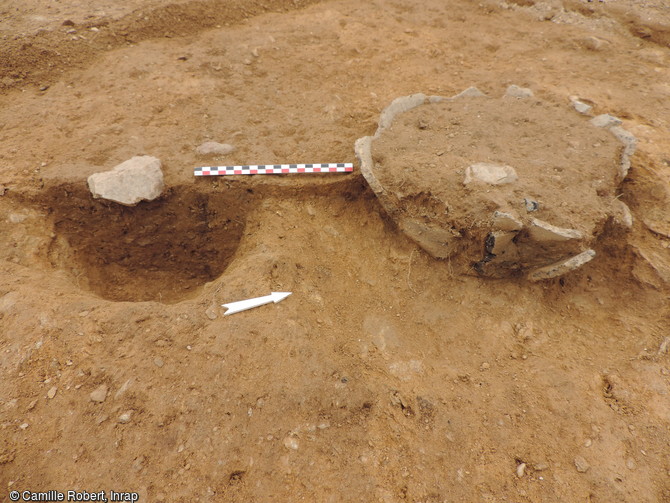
(562, 267)
(500, 244)
(605, 121)
(543, 231)
(506, 222)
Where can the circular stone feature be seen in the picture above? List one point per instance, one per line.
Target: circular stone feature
(508, 184)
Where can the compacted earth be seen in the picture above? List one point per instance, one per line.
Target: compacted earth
(388, 375)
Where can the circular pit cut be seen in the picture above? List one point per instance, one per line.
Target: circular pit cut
(511, 184)
(163, 250)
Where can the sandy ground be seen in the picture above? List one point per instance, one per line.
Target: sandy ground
(388, 375)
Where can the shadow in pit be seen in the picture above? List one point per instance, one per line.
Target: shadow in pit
(163, 250)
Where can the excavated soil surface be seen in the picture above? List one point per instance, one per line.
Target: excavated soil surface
(387, 375)
(563, 163)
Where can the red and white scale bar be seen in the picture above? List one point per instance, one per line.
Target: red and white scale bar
(275, 169)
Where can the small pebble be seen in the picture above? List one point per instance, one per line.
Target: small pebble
(52, 392)
(32, 405)
(630, 464)
(99, 394)
(521, 470)
(125, 417)
(588, 442)
(592, 43)
(137, 464)
(158, 361)
(531, 205)
(214, 148)
(211, 313)
(541, 466)
(518, 92)
(291, 443)
(24, 426)
(581, 464)
(581, 107)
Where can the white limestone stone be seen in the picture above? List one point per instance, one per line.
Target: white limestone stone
(518, 92)
(492, 174)
(506, 222)
(562, 267)
(605, 120)
(543, 231)
(214, 148)
(137, 179)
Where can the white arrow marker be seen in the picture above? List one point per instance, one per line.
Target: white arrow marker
(243, 305)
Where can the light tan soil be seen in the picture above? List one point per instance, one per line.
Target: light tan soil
(387, 375)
